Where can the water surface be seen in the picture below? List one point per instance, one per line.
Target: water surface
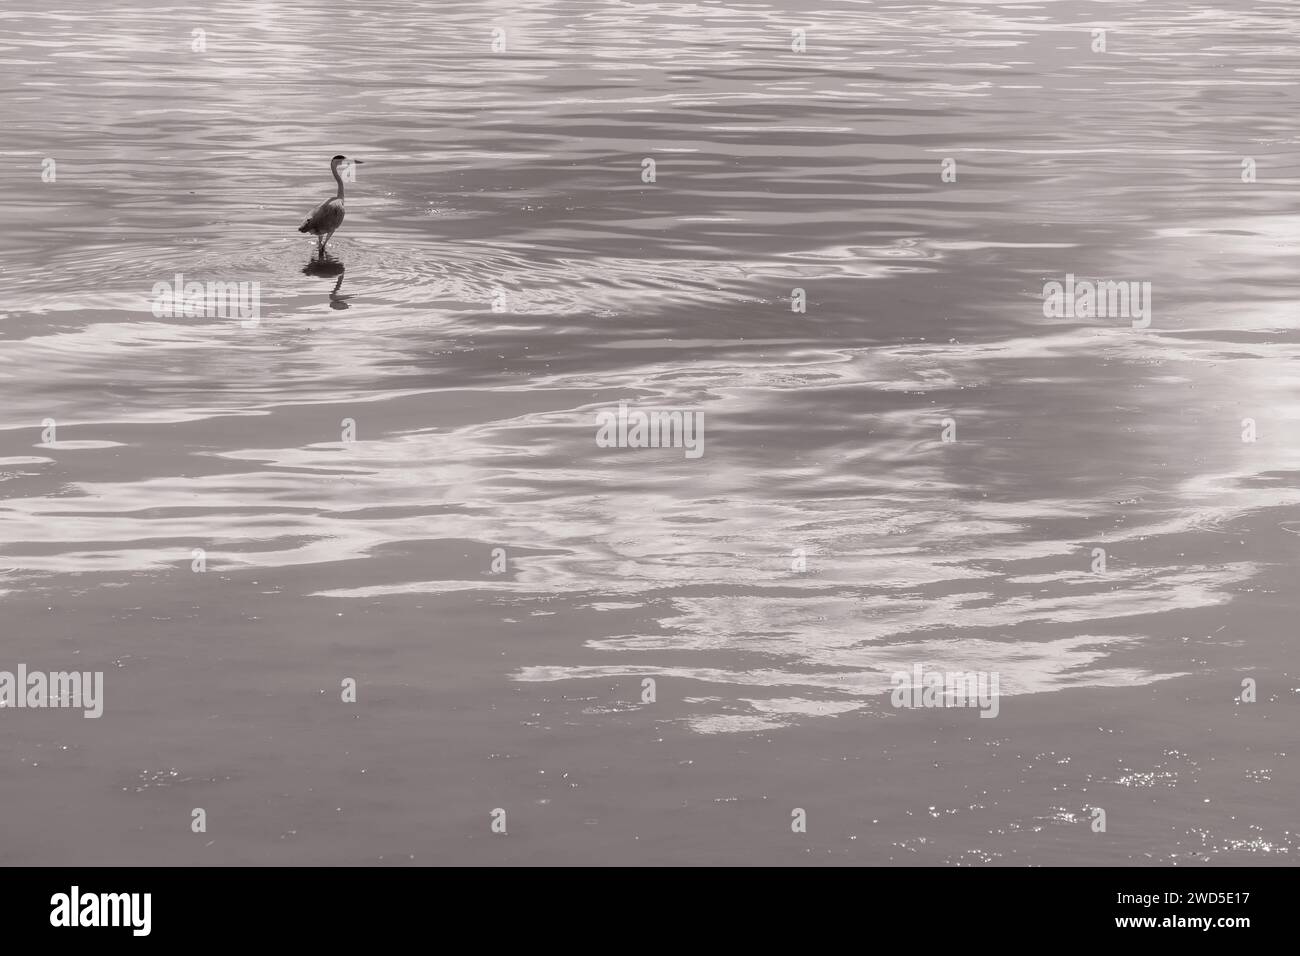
(503, 274)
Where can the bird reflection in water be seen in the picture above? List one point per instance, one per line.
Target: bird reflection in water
(327, 267)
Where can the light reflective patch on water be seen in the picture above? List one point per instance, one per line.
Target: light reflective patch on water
(392, 474)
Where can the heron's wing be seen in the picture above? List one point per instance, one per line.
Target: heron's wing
(326, 216)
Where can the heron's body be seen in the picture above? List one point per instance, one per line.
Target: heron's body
(328, 216)
(325, 218)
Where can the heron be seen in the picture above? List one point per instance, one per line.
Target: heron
(328, 216)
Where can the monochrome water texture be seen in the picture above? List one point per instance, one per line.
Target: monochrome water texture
(388, 474)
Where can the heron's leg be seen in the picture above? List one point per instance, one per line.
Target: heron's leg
(328, 236)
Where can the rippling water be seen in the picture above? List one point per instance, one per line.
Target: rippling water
(504, 274)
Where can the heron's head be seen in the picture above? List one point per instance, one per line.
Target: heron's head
(340, 158)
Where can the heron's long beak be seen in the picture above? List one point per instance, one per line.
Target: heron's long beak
(358, 162)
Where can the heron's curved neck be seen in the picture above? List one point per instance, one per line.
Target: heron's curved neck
(338, 179)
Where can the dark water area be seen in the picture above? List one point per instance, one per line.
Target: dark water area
(505, 273)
